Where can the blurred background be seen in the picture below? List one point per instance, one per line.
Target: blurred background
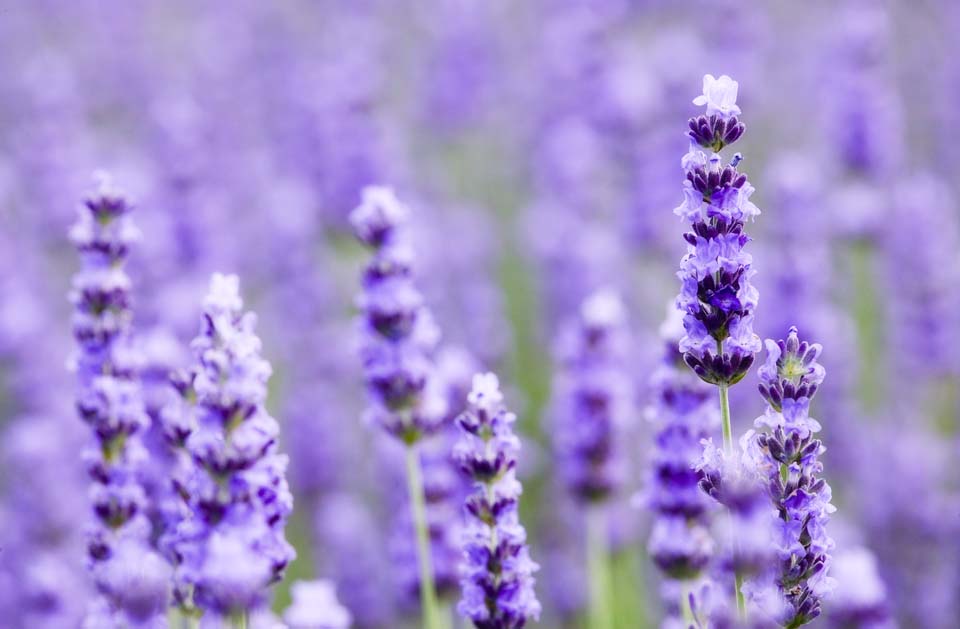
(538, 146)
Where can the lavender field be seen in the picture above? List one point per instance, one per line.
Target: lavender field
(440, 314)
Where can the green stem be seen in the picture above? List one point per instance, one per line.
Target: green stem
(866, 314)
(741, 603)
(688, 618)
(725, 417)
(241, 620)
(428, 595)
(598, 564)
(728, 447)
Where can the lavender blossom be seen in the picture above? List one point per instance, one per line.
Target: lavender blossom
(788, 381)
(233, 547)
(593, 399)
(315, 606)
(131, 578)
(498, 572)
(398, 336)
(685, 414)
(716, 295)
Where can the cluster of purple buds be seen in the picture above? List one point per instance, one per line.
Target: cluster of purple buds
(131, 577)
(685, 413)
(233, 546)
(398, 335)
(594, 398)
(497, 572)
(716, 294)
(790, 461)
(715, 131)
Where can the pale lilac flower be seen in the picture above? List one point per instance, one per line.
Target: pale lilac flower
(315, 606)
(719, 95)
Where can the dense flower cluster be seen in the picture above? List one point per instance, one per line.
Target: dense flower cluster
(129, 575)
(233, 546)
(684, 413)
(398, 335)
(498, 572)
(716, 295)
(790, 463)
(734, 478)
(593, 399)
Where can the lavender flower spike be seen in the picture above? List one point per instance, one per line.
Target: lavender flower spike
(716, 295)
(594, 397)
(498, 572)
(132, 579)
(233, 547)
(788, 380)
(685, 414)
(398, 339)
(398, 335)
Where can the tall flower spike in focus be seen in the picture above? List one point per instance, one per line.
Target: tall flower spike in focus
(716, 295)
(233, 546)
(790, 462)
(397, 341)
(684, 414)
(132, 579)
(498, 572)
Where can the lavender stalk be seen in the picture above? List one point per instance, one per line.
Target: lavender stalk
(716, 295)
(132, 579)
(398, 340)
(593, 405)
(233, 546)
(684, 415)
(790, 460)
(498, 573)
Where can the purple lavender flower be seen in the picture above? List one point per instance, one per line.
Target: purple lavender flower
(716, 295)
(685, 413)
(734, 478)
(498, 572)
(593, 399)
(131, 578)
(233, 547)
(788, 381)
(398, 333)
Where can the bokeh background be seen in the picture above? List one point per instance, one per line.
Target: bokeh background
(538, 145)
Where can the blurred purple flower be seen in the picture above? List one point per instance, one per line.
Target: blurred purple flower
(398, 335)
(133, 580)
(238, 492)
(684, 412)
(315, 606)
(593, 398)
